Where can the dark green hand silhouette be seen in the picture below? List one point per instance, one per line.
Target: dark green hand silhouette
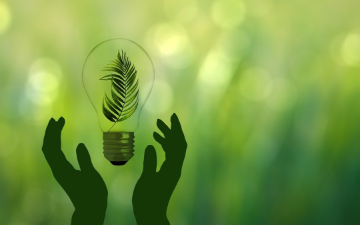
(154, 189)
(86, 188)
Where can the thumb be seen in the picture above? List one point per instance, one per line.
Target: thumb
(150, 160)
(84, 158)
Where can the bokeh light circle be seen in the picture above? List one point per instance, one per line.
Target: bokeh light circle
(350, 50)
(5, 17)
(44, 81)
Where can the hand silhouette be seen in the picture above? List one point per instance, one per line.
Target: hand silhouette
(86, 188)
(154, 189)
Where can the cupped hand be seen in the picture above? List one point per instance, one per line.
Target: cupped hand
(85, 188)
(153, 190)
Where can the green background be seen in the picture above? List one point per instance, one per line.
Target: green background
(267, 93)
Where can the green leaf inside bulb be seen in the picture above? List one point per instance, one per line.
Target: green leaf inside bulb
(124, 89)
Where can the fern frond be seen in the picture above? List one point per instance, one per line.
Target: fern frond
(124, 89)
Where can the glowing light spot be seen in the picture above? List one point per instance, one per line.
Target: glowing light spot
(170, 39)
(46, 64)
(5, 17)
(350, 51)
(215, 72)
(43, 82)
(228, 13)
(161, 98)
(283, 95)
(35, 114)
(182, 59)
(213, 80)
(172, 43)
(255, 84)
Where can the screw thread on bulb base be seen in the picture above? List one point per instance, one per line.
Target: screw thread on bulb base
(118, 147)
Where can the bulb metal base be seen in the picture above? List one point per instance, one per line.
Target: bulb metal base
(118, 147)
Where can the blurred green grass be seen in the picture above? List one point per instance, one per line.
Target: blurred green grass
(267, 93)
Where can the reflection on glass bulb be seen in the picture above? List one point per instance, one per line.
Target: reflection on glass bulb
(118, 76)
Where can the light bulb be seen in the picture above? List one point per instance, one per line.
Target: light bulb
(118, 76)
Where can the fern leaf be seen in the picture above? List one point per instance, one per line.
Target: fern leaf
(124, 89)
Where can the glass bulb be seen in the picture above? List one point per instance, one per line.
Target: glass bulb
(118, 76)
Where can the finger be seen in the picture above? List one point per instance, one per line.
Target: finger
(163, 127)
(150, 160)
(174, 159)
(158, 138)
(175, 125)
(53, 132)
(52, 147)
(84, 158)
